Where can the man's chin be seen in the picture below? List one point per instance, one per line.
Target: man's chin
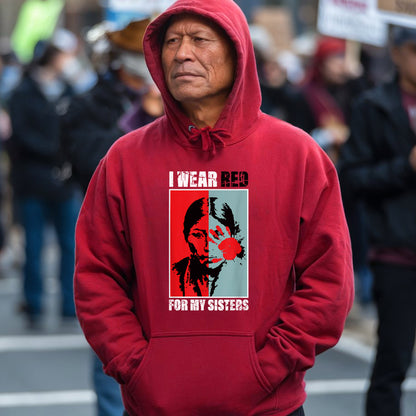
(188, 93)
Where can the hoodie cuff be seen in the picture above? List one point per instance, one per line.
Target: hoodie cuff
(122, 369)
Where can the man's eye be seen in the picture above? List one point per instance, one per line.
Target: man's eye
(171, 41)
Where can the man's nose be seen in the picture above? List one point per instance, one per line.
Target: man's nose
(185, 50)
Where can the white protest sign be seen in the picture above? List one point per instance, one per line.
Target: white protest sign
(356, 20)
(121, 12)
(140, 6)
(399, 12)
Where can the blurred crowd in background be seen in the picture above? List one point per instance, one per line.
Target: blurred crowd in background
(73, 79)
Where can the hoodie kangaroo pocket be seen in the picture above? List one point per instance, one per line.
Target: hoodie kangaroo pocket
(199, 375)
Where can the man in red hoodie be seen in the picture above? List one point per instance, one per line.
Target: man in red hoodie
(214, 185)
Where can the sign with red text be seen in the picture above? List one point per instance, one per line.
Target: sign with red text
(356, 20)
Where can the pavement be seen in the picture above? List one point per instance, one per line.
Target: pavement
(361, 324)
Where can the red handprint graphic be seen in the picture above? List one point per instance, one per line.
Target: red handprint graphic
(228, 245)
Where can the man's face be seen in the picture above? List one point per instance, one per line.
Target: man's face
(404, 57)
(198, 61)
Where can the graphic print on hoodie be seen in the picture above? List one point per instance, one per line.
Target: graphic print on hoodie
(209, 242)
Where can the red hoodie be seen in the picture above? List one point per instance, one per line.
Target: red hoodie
(212, 266)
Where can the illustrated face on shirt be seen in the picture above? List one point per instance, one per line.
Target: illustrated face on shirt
(204, 240)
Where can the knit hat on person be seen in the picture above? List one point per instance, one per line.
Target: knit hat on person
(328, 46)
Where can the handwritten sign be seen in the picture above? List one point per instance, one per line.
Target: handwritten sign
(400, 12)
(356, 20)
(142, 6)
(407, 7)
(122, 12)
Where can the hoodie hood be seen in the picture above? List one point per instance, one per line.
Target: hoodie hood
(241, 111)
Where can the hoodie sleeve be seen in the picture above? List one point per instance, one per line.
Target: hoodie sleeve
(104, 275)
(313, 319)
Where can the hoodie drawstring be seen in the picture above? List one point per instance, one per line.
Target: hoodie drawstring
(209, 138)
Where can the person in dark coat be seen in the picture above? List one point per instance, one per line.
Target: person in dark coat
(40, 179)
(330, 90)
(378, 166)
(123, 99)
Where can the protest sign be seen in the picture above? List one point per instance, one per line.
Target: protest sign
(37, 20)
(400, 12)
(355, 20)
(121, 12)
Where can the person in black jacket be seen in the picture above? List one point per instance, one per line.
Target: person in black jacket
(378, 166)
(123, 99)
(40, 179)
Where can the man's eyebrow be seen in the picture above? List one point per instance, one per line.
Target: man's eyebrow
(195, 32)
(206, 32)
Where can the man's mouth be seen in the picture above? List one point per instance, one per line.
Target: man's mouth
(185, 75)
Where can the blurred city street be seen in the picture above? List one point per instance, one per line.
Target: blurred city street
(47, 372)
(44, 372)
(74, 79)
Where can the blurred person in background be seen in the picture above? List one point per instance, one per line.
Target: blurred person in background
(5, 125)
(78, 70)
(5, 133)
(329, 92)
(40, 178)
(330, 89)
(10, 72)
(280, 97)
(378, 165)
(10, 75)
(123, 99)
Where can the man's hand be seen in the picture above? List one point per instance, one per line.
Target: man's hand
(229, 246)
(412, 158)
